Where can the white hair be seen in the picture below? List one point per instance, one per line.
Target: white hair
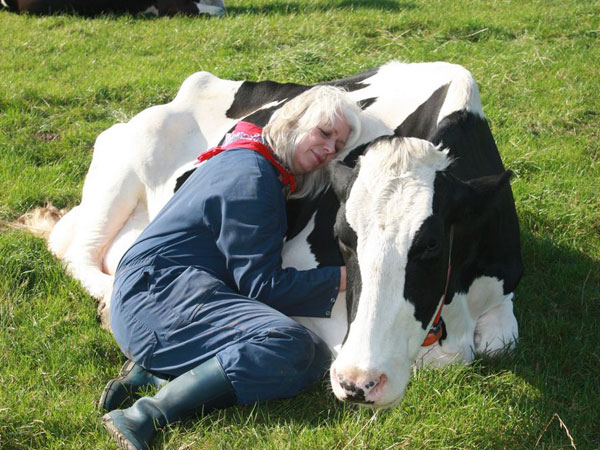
(319, 106)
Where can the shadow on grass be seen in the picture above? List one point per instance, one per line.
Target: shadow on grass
(297, 7)
(558, 354)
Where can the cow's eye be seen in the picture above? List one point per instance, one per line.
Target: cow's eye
(432, 245)
(432, 248)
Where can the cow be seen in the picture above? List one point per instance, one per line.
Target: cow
(431, 109)
(94, 7)
(424, 228)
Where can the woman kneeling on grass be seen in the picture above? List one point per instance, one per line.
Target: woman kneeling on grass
(201, 297)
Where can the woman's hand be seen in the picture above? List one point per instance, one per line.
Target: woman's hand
(342, 278)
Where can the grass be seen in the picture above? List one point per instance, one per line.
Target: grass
(64, 79)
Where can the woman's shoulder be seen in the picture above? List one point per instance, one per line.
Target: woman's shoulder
(242, 172)
(246, 161)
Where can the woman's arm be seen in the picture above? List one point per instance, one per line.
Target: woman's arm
(252, 223)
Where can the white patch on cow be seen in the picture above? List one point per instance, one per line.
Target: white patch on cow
(414, 84)
(125, 238)
(331, 329)
(296, 252)
(480, 321)
(217, 9)
(150, 11)
(497, 329)
(390, 199)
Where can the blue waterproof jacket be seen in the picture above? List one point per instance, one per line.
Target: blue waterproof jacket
(228, 222)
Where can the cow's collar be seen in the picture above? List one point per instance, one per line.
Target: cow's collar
(438, 328)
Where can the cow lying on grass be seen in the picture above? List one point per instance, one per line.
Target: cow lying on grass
(427, 217)
(93, 7)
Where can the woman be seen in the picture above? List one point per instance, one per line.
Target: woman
(201, 297)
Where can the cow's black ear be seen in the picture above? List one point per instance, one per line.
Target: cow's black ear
(342, 177)
(473, 199)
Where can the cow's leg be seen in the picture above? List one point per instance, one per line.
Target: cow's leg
(101, 219)
(480, 321)
(111, 193)
(458, 345)
(497, 329)
(125, 238)
(119, 245)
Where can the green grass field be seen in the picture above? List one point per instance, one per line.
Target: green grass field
(64, 79)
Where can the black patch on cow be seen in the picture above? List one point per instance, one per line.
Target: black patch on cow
(353, 392)
(262, 116)
(355, 82)
(183, 178)
(422, 123)
(321, 240)
(364, 104)
(352, 157)
(470, 141)
(348, 241)
(490, 245)
(253, 95)
(426, 268)
(299, 212)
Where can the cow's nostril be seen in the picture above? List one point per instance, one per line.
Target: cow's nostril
(347, 386)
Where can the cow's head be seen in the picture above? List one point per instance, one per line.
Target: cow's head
(397, 209)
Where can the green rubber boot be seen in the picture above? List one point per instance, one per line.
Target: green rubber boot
(201, 390)
(123, 389)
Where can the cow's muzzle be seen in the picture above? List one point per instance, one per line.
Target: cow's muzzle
(358, 386)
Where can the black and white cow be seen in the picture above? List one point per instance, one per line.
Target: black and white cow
(93, 7)
(424, 227)
(399, 207)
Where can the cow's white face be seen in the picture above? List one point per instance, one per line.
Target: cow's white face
(387, 208)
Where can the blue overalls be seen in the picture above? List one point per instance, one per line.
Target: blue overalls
(204, 279)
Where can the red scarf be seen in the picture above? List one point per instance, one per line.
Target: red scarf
(248, 135)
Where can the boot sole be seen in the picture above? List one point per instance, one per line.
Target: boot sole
(118, 437)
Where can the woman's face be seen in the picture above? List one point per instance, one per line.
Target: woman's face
(320, 145)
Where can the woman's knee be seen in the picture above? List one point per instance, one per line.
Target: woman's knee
(281, 361)
(300, 348)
